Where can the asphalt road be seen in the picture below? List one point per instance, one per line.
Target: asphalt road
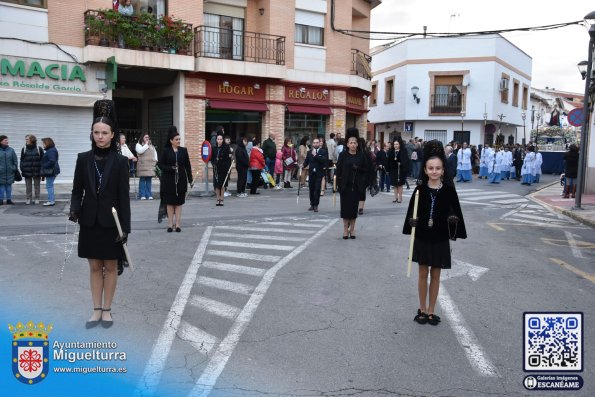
(262, 297)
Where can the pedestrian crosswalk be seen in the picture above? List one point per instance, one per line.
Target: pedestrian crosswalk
(485, 197)
(537, 215)
(230, 274)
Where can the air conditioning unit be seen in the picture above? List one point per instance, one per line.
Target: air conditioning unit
(503, 84)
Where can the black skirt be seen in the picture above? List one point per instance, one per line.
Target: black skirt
(172, 199)
(432, 254)
(99, 243)
(349, 200)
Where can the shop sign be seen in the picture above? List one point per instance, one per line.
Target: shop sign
(21, 73)
(219, 89)
(306, 95)
(356, 100)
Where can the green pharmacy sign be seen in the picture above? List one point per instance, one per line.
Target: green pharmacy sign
(52, 71)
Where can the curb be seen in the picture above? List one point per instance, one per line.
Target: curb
(571, 214)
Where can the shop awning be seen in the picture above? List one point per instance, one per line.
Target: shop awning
(309, 109)
(231, 105)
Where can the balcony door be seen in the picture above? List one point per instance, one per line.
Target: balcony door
(224, 37)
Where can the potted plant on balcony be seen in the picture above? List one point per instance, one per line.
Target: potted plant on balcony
(184, 37)
(93, 28)
(112, 26)
(148, 31)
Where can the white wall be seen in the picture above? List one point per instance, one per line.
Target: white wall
(28, 23)
(310, 58)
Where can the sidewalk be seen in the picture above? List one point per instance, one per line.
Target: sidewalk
(551, 196)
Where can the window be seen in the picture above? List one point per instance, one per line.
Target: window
(312, 35)
(389, 89)
(374, 94)
(435, 134)
(525, 96)
(30, 3)
(515, 92)
(462, 136)
(223, 37)
(155, 7)
(504, 83)
(448, 94)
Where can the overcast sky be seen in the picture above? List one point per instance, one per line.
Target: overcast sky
(555, 52)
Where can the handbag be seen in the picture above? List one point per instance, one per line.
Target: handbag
(46, 172)
(17, 176)
(289, 161)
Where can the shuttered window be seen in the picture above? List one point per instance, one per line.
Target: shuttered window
(161, 117)
(435, 134)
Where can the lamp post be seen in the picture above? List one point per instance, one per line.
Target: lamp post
(500, 136)
(524, 116)
(538, 121)
(587, 103)
(532, 119)
(462, 121)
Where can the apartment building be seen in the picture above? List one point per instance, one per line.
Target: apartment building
(468, 89)
(250, 66)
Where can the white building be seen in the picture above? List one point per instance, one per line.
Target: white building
(466, 89)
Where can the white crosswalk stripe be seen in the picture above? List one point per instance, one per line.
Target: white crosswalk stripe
(486, 197)
(230, 286)
(210, 305)
(198, 338)
(228, 267)
(236, 244)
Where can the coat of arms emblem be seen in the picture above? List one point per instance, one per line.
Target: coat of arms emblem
(30, 351)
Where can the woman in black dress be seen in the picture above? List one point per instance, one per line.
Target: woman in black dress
(398, 167)
(352, 179)
(439, 218)
(176, 172)
(100, 183)
(221, 161)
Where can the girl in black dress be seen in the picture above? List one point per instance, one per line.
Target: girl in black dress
(221, 161)
(398, 167)
(439, 218)
(352, 179)
(100, 183)
(176, 172)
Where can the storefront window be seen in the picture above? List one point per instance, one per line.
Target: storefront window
(234, 123)
(298, 125)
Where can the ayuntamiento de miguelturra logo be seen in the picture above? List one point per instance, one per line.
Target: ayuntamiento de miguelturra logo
(30, 351)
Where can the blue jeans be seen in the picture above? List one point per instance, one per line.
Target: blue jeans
(49, 185)
(384, 180)
(8, 189)
(144, 187)
(270, 163)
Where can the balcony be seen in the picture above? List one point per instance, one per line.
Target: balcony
(447, 103)
(360, 64)
(145, 32)
(238, 45)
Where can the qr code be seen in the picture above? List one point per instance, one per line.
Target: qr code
(553, 342)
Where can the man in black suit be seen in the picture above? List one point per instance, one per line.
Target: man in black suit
(451, 162)
(317, 160)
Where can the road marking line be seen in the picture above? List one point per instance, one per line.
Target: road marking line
(530, 224)
(154, 368)
(464, 190)
(228, 267)
(219, 358)
(198, 338)
(467, 339)
(520, 207)
(512, 201)
(244, 255)
(256, 236)
(578, 272)
(495, 226)
(212, 306)
(490, 196)
(253, 245)
(572, 242)
(485, 193)
(264, 229)
(542, 217)
(536, 223)
(478, 203)
(290, 224)
(8, 252)
(230, 286)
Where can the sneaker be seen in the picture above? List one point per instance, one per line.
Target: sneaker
(49, 204)
(226, 194)
(244, 194)
(28, 202)
(150, 197)
(143, 198)
(37, 201)
(277, 187)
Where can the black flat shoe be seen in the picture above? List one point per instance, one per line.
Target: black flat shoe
(169, 230)
(93, 323)
(394, 201)
(345, 237)
(178, 229)
(433, 319)
(352, 237)
(106, 323)
(421, 317)
(360, 211)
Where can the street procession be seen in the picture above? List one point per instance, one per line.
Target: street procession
(296, 198)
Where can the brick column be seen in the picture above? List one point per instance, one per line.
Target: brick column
(195, 121)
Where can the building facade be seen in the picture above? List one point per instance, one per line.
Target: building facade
(467, 89)
(253, 67)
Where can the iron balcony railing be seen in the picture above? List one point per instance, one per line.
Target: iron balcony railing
(361, 64)
(143, 32)
(447, 103)
(238, 45)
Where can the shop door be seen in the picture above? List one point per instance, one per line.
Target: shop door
(235, 124)
(161, 117)
(129, 112)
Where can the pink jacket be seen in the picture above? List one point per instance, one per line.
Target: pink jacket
(279, 163)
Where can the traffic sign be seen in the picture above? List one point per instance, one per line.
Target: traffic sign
(205, 151)
(576, 117)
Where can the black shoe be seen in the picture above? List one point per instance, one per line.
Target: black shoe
(93, 323)
(311, 208)
(169, 230)
(105, 323)
(421, 317)
(9, 202)
(360, 211)
(433, 319)
(316, 209)
(178, 230)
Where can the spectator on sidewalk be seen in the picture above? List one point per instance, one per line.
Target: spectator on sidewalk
(128, 154)
(571, 171)
(301, 157)
(269, 149)
(8, 166)
(242, 163)
(147, 160)
(49, 168)
(289, 161)
(31, 156)
(221, 161)
(256, 165)
(278, 169)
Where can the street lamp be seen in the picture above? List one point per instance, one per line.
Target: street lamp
(500, 136)
(532, 118)
(537, 132)
(524, 116)
(462, 122)
(587, 103)
(582, 68)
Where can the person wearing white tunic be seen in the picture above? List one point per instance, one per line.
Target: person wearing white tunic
(528, 170)
(495, 165)
(538, 163)
(483, 162)
(506, 164)
(464, 164)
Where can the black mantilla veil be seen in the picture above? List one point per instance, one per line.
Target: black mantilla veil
(435, 149)
(104, 111)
